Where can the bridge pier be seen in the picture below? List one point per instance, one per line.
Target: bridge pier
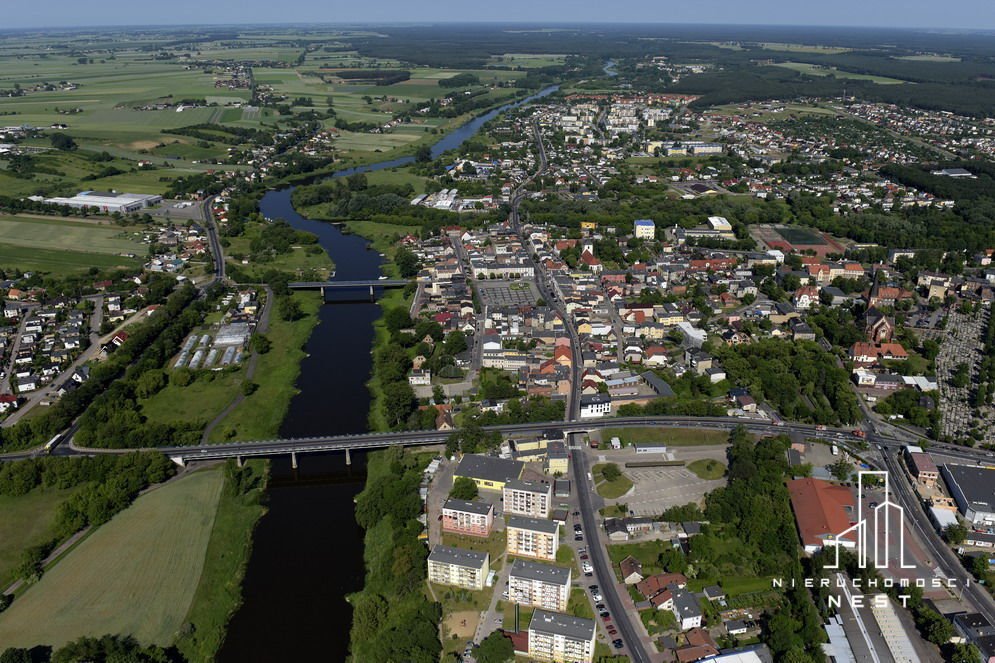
(322, 293)
(373, 295)
(293, 459)
(348, 457)
(179, 460)
(238, 461)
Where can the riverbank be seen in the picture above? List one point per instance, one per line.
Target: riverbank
(219, 591)
(394, 618)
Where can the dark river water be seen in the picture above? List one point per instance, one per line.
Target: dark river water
(308, 550)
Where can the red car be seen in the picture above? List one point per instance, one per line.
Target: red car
(612, 631)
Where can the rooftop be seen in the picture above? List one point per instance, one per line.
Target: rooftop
(489, 468)
(976, 483)
(479, 508)
(820, 509)
(556, 575)
(458, 557)
(554, 623)
(528, 486)
(534, 524)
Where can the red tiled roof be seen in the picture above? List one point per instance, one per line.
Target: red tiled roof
(820, 508)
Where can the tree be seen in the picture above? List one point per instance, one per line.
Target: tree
(464, 488)
(15, 655)
(611, 472)
(955, 534)
(261, 344)
(407, 262)
(398, 403)
(61, 141)
(423, 154)
(841, 470)
(150, 383)
(290, 309)
(495, 648)
(397, 318)
(438, 394)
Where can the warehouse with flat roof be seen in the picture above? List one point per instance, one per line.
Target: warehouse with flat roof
(973, 489)
(489, 472)
(108, 202)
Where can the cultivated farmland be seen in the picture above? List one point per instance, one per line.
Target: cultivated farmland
(135, 575)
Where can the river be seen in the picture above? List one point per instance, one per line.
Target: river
(308, 550)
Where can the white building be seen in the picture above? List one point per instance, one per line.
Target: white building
(108, 202)
(460, 568)
(645, 229)
(561, 638)
(539, 585)
(595, 405)
(527, 498)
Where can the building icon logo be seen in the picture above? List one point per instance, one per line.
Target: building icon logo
(879, 539)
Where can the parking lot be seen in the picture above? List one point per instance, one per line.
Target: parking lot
(656, 489)
(506, 293)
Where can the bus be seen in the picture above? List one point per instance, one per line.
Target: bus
(52, 443)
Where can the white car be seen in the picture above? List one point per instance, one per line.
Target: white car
(586, 566)
(597, 597)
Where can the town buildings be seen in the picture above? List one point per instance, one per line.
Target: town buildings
(532, 537)
(540, 585)
(462, 517)
(457, 567)
(527, 498)
(560, 638)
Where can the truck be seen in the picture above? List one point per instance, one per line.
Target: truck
(50, 445)
(859, 433)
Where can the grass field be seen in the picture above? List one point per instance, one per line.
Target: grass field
(928, 58)
(62, 246)
(579, 605)
(201, 400)
(647, 552)
(135, 575)
(707, 469)
(27, 521)
(677, 437)
(817, 70)
(803, 48)
(610, 489)
(527, 60)
(259, 416)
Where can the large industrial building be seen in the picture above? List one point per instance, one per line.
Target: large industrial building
(973, 489)
(108, 202)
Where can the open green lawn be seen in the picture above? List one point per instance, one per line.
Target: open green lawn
(27, 521)
(610, 489)
(300, 260)
(579, 605)
(66, 234)
(677, 437)
(494, 544)
(816, 70)
(804, 48)
(135, 575)
(58, 262)
(707, 469)
(259, 416)
(928, 58)
(647, 552)
(398, 176)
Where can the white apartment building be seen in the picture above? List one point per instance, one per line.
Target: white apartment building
(527, 498)
(539, 585)
(458, 567)
(561, 638)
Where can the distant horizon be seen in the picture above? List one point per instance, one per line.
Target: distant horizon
(969, 15)
(533, 23)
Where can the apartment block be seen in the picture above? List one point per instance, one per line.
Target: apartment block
(561, 638)
(458, 567)
(462, 517)
(532, 537)
(539, 585)
(527, 498)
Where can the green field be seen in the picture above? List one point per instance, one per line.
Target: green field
(799, 236)
(928, 58)
(579, 605)
(27, 521)
(803, 48)
(135, 575)
(62, 246)
(64, 234)
(677, 437)
(707, 469)
(201, 400)
(610, 489)
(817, 70)
(527, 60)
